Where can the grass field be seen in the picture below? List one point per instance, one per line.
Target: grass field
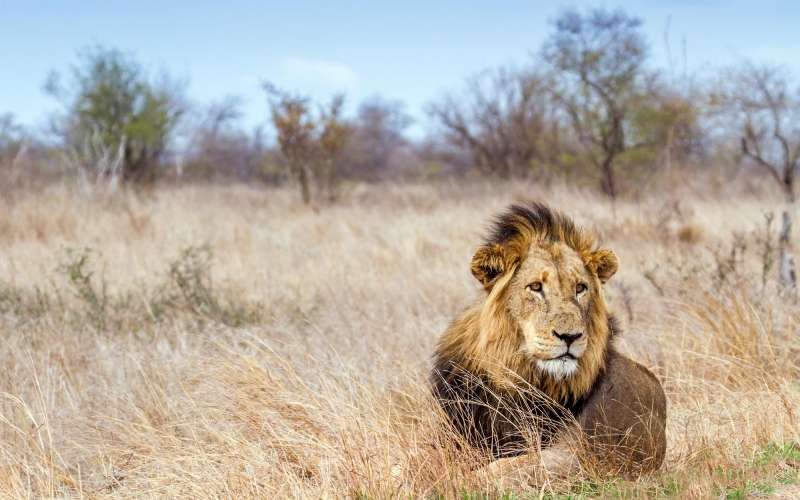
(228, 342)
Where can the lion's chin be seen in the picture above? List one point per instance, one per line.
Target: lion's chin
(558, 368)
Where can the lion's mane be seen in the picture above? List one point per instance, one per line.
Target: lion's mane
(481, 376)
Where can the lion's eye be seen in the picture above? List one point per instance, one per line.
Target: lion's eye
(580, 288)
(535, 287)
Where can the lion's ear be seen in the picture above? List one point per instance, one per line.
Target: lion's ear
(487, 264)
(604, 263)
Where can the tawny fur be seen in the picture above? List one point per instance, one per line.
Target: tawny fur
(485, 375)
(484, 338)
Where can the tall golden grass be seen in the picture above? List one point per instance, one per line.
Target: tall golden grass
(227, 342)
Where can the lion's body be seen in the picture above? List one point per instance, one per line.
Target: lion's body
(625, 415)
(535, 355)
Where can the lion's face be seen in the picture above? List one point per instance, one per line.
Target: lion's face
(549, 299)
(543, 320)
(552, 296)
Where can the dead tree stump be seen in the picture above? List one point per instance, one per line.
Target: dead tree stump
(786, 273)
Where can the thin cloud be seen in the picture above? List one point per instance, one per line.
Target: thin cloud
(314, 70)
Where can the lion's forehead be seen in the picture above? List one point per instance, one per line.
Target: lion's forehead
(555, 264)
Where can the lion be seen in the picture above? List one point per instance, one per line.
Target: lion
(535, 356)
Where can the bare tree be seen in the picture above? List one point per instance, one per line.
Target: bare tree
(504, 119)
(292, 119)
(222, 113)
(378, 137)
(598, 60)
(333, 139)
(764, 106)
(219, 146)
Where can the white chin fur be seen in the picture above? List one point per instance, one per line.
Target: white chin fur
(558, 368)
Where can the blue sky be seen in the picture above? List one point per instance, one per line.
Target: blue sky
(412, 51)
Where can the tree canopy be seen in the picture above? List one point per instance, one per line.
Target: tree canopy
(111, 102)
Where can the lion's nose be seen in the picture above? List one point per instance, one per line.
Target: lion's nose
(568, 338)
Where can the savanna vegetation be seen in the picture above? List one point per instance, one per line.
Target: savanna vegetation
(216, 341)
(189, 309)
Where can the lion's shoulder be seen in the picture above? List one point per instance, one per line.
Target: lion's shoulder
(626, 411)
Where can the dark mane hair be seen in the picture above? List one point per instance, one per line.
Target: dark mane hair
(479, 353)
(520, 225)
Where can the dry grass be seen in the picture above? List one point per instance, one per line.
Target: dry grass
(228, 342)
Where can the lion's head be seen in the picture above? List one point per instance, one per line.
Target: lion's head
(544, 317)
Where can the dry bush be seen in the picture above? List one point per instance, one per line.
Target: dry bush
(249, 347)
